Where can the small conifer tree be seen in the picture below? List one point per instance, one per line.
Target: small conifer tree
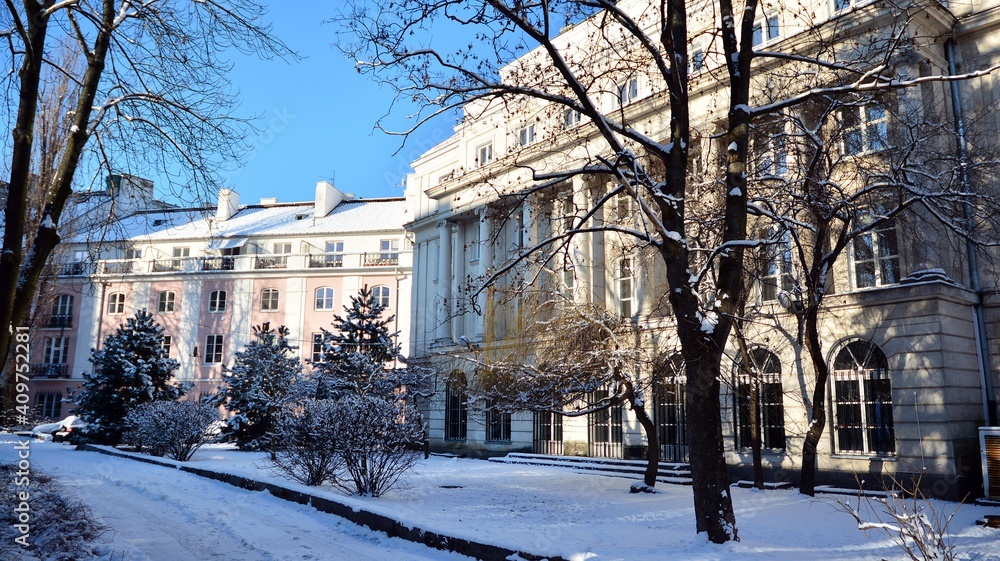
(130, 369)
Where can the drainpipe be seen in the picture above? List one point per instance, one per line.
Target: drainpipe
(978, 316)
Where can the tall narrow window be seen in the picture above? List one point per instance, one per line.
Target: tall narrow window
(325, 298)
(48, 405)
(167, 344)
(758, 396)
(485, 155)
(624, 286)
(62, 311)
(628, 92)
(776, 266)
(862, 399)
(335, 254)
(456, 413)
(571, 118)
(697, 61)
(179, 253)
(165, 303)
(217, 301)
(526, 136)
(269, 300)
(56, 350)
(875, 254)
(317, 347)
(116, 303)
(213, 349)
(381, 295)
(497, 424)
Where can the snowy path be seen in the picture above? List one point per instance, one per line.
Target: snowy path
(170, 515)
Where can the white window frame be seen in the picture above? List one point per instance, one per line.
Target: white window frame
(328, 301)
(63, 305)
(628, 91)
(116, 303)
(217, 301)
(383, 299)
(773, 157)
(624, 303)
(334, 253)
(56, 350)
(388, 250)
(484, 154)
(777, 267)
(871, 128)
(213, 348)
(317, 347)
(696, 62)
(526, 135)
(885, 264)
(166, 344)
(571, 118)
(269, 296)
(766, 30)
(165, 302)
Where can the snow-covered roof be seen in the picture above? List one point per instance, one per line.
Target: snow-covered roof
(288, 219)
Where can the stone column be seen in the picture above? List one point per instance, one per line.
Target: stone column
(443, 331)
(485, 266)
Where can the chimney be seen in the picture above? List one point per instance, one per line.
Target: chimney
(327, 198)
(229, 204)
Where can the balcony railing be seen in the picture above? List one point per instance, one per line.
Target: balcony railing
(117, 267)
(48, 370)
(270, 262)
(74, 269)
(218, 263)
(326, 261)
(62, 321)
(167, 265)
(381, 259)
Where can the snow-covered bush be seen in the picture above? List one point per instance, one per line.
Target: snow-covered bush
(257, 386)
(307, 441)
(361, 444)
(130, 369)
(376, 443)
(172, 428)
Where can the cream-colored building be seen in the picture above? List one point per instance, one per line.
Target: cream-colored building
(912, 377)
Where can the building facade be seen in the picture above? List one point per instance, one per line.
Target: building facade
(210, 274)
(909, 325)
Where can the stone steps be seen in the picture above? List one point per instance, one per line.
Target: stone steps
(673, 473)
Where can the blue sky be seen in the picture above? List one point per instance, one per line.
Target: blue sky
(317, 117)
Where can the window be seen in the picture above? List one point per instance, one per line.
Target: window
(49, 404)
(269, 300)
(875, 254)
(568, 284)
(387, 246)
(317, 347)
(776, 267)
(280, 249)
(446, 177)
(116, 303)
(217, 301)
(571, 118)
(764, 373)
(324, 298)
(697, 61)
(166, 344)
(62, 311)
(767, 30)
(773, 157)
(864, 129)
(179, 254)
(213, 349)
(669, 406)
(381, 295)
(133, 254)
(628, 92)
(862, 400)
(334, 254)
(623, 284)
(456, 413)
(497, 424)
(839, 5)
(485, 155)
(166, 302)
(475, 246)
(526, 136)
(56, 350)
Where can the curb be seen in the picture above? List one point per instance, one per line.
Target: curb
(378, 522)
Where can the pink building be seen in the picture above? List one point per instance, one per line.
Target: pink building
(209, 274)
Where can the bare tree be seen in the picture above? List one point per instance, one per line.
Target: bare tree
(148, 93)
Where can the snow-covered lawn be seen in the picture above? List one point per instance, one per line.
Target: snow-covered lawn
(553, 511)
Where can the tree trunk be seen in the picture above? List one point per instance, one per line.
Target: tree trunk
(652, 440)
(817, 421)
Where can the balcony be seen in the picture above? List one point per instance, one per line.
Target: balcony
(60, 321)
(270, 262)
(74, 269)
(50, 371)
(227, 263)
(381, 259)
(120, 267)
(167, 265)
(326, 261)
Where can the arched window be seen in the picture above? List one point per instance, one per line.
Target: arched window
(862, 400)
(269, 300)
(116, 303)
(324, 298)
(217, 301)
(166, 302)
(763, 373)
(381, 295)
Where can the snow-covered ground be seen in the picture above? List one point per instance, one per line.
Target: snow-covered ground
(540, 510)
